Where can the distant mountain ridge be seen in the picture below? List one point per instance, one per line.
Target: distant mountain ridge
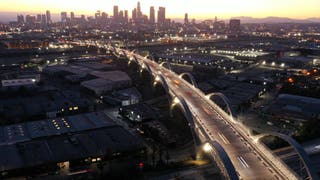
(271, 19)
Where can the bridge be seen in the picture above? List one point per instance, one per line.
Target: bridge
(239, 154)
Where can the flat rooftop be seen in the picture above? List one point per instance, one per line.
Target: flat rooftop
(75, 146)
(80, 136)
(111, 75)
(56, 126)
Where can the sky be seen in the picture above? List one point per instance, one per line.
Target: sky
(199, 9)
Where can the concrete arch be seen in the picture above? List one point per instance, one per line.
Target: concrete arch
(114, 51)
(224, 99)
(300, 151)
(147, 57)
(192, 79)
(134, 59)
(147, 67)
(178, 100)
(160, 79)
(227, 166)
(124, 52)
(133, 51)
(166, 63)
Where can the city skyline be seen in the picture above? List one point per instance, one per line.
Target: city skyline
(200, 10)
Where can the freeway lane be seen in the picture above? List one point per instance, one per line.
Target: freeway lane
(246, 161)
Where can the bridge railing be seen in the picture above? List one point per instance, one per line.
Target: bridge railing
(290, 174)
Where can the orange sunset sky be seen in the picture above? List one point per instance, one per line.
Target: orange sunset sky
(298, 9)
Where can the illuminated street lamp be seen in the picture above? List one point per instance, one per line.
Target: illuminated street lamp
(207, 147)
(176, 100)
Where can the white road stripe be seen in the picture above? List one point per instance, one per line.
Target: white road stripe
(224, 139)
(243, 162)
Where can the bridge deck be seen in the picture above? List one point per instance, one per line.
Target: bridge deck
(246, 161)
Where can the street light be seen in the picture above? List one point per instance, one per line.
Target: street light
(157, 79)
(176, 100)
(207, 147)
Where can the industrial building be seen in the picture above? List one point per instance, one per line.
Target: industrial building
(138, 112)
(107, 81)
(44, 104)
(123, 97)
(56, 142)
(17, 79)
(294, 109)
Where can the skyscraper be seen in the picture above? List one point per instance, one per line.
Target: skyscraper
(20, 19)
(139, 13)
(161, 15)
(38, 17)
(64, 16)
(48, 14)
(126, 16)
(43, 19)
(97, 15)
(152, 18)
(30, 20)
(83, 17)
(186, 19)
(234, 26)
(115, 12)
(121, 15)
(134, 14)
(104, 15)
(72, 16)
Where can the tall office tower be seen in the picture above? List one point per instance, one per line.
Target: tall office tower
(38, 17)
(134, 14)
(83, 17)
(121, 15)
(139, 13)
(115, 12)
(97, 15)
(43, 19)
(126, 16)
(161, 15)
(30, 20)
(64, 16)
(20, 19)
(234, 26)
(48, 14)
(186, 19)
(72, 16)
(104, 15)
(152, 18)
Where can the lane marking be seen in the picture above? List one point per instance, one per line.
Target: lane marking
(224, 139)
(243, 162)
